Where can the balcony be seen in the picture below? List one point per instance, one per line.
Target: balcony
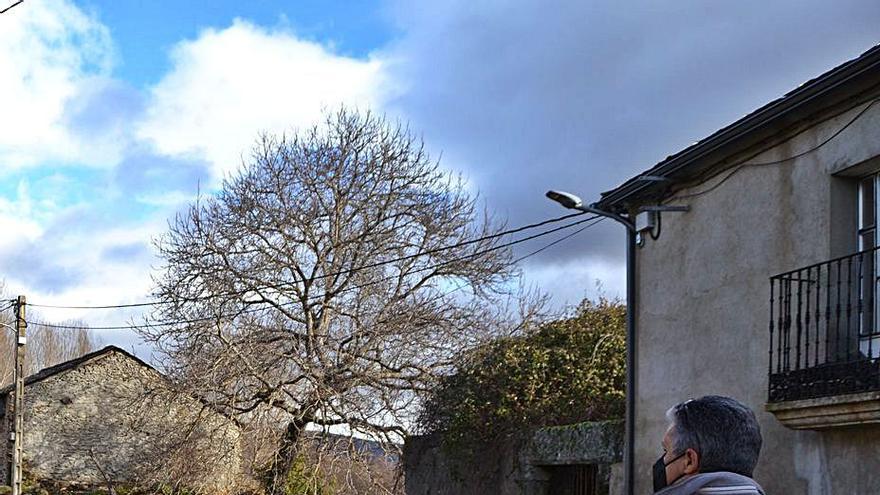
(824, 355)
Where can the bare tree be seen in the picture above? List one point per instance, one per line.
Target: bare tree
(47, 346)
(341, 269)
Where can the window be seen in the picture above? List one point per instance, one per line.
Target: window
(579, 479)
(868, 213)
(869, 329)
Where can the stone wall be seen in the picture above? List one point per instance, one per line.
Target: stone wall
(514, 467)
(114, 419)
(430, 470)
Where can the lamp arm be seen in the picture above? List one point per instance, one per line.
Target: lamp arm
(630, 226)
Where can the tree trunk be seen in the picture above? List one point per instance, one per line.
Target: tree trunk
(284, 458)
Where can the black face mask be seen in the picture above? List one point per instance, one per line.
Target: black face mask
(659, 472)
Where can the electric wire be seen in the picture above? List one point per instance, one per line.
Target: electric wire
(655, 232)
(109, 306)
(742, 166)
(331, 274)
(10, 7)
(318, 296)
(557, 241)
(715, 186)
(537, 251)
(592, 219)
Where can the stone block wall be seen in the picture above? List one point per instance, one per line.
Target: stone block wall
(430, 470)
(515, 468)
(112, 419)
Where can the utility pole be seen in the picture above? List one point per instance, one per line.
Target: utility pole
(15, 437)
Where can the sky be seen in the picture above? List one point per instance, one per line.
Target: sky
(115, 115)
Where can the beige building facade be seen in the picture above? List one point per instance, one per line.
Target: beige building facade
(770, 280)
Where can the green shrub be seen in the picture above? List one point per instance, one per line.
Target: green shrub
(305, 477)
(566, 371)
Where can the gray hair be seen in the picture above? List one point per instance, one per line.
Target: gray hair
(723, 431)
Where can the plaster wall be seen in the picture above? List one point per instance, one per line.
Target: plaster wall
(703, 302)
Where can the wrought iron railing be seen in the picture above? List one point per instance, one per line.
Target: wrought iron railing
(824, 332)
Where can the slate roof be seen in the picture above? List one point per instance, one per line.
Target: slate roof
(841, 85)
(74, 363)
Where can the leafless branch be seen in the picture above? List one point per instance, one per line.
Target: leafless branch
(341, 250)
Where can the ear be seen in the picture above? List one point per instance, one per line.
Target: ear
(692, 462)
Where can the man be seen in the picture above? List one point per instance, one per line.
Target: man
(710, 447)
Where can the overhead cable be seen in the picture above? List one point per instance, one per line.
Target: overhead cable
(331, 274)
(10, 7)
(592, 219)
(557, 241)
(741, 166)
(537, 251)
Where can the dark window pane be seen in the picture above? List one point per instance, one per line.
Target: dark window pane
(866, 202)
(867, 240)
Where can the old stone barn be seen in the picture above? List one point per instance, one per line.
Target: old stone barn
(108, 419)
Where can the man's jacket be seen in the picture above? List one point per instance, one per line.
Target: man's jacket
(720, 483)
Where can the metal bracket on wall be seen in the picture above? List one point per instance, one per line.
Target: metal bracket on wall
(647, 220)
(678, 208)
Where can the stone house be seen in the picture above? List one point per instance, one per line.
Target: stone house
(766, 288)
(108, 418)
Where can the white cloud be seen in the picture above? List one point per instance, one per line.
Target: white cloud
(228, 85)
(167, 199)
(16, 215)
(59, 254)
(52, 53)
(96, 279)
(572, 280)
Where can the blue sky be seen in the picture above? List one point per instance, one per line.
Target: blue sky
(115, 115)
(144, 31)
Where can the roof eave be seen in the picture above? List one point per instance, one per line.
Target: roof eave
(832, 88)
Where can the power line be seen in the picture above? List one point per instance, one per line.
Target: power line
(537, 251)
(13, 5)
(109, 306)
(594, 219)
(132, 327)
(10, 306)
(318, 296)
(741, 166)
(557, 241)
(715, 186)
(331, 274)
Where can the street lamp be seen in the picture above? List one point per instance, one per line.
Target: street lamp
(573, 202)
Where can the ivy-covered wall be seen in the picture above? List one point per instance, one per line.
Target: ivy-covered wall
(507, 467)
(566, 371)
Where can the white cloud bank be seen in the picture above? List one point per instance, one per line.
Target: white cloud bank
(570, 281)
(228, 85)
(61, 106)
(223, 88)
(52, 53)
